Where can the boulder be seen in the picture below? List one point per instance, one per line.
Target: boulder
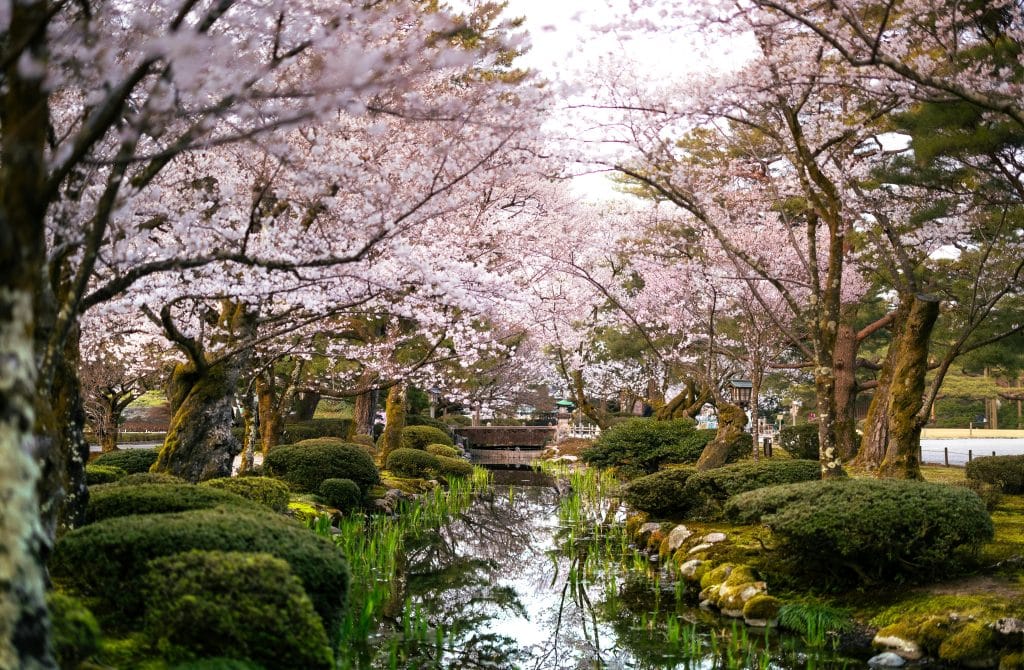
(887, 659)
(678, 535)
(692, 570)
(714, 538)
(907, 649)
(699, 548)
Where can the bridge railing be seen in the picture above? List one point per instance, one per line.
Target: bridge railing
(584, 432)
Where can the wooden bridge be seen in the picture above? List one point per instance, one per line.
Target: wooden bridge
(505, 446)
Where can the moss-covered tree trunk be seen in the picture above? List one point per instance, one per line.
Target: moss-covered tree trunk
(892, 433)
(394, 422)
(304, 405)
(270, 418)
(364, 410)
(583, 404)
(731, 420)
(199, 443)
(24, 622)
(251, 421)
(845, 369)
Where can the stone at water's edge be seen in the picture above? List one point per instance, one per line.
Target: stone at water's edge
(907, 649)
(699, 548)
(690, 570)
(1009, 626)
(678, 535)
(646, 531)
(887, 660)
(714, 538)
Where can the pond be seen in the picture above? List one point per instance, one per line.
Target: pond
(533, 576)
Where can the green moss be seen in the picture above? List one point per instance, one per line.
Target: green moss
(762, 606)
(75, 632)
(921, 606)
(716, 576)
(971, 643)
(266, 491)
(742, 574)
(1014, 661)
(634, 522)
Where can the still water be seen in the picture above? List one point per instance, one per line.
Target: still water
(535, 577)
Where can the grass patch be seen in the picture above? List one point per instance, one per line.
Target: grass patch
(940, 474)
(1008, 519)
(152, 398)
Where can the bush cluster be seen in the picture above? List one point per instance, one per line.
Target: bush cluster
(113, 501)
(266, 491)
(420, 420)
(342, 494)
(711, 488)
(298, 431)
(102, 474)
(661, 494)
(1006, 472)
(247, 605)
(305, 465)
(74, 631)
(859, 529)
(453, 467)
(418, 437)
(641, 445)
(149, 478)
(406, 462)
(443, 450)
(129, 460)
(800, 441)
(107, 560)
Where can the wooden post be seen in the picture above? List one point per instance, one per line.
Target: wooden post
(970, 455)
(946, 455)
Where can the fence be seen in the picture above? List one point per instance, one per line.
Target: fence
(585, 432)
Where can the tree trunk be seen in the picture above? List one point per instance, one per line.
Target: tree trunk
(394, 422)
(199, 443)
(892, 436)
(304, 405)
(364, 411)
(845, 369)
(24, 622)
(584, 405)
(106, 429)
(270, 419)
(251, 420)
(731, 420)
(685, 404)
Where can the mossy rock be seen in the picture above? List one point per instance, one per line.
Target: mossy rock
(717, 576)
(634, 523)
(762, 607)
(1014, 661)
(972, 644)
(741, 574)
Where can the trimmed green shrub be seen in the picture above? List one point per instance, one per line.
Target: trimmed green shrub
(269, 492)
(456, 420)
(233, 604)
(129, 460)
(711, 488)
(140, 478)
(800, 441)
(113, 501)
(443, 450)
(305, 465)
(102, 474)
(853, 530)
(364, 440)
(341, 494)
(641, 445)
(661, 494)
(1006, 472)
(107, 559)
(412, 463)
(418, 437)
(453, 467)
(74, 632)
(308, 430)
(421, 420)
(217, 664)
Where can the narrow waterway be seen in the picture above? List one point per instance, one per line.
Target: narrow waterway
(534, 576)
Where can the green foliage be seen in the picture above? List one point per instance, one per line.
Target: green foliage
(1006, 472)
(453, 467)
(990, 494)
(418, 437)
(341, 494)
(364, 439)
(217, 664)
(421, 420)
(412, 463)
(814, 621)
(661, 494)
(114, 501)
(865, 529)
(266, 491)
(314, 428)
(75, 633)
(305, 465)
(140, 478)
(800, 441)
(103, 474)
(456, 420)
(233, 604)
(106, 560)
(129, 460)
(443, 450)
(711, 488)
(641, 445)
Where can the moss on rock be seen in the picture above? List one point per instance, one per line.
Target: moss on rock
(972, 644)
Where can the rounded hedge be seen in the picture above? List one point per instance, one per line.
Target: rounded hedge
(342, 494)
(641, 445)
(129, 460)
(711, 488)
(661, 494)
(297, 431)
(233, 604)
(421, 420)
(74, 630)
(364, 440)
(453, 467)
(107, 560)
(412, 463)
(1006, 472)
(266, 491)
(102, 474)
(443, 450)
(852, 530)
(113, 501)
(418, 437)
(140, 478)
(305, 465)
(800, 441)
